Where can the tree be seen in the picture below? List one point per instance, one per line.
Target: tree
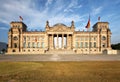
(116, 46)
(3, 50)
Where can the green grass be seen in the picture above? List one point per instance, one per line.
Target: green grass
(94, 71)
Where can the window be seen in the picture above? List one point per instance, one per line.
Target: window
(24, 45)
(77, 44)
(90, 44)
(38, 44)
(94, 44)
(28, 38)
(86, 44)
(103, 38)
(28, 44)
(42, 44)
(15, 38)
(13, 51)
(94, 38)
(24, 38)
(33, 45)
(103, 45)
(15, 45)
(81, 44)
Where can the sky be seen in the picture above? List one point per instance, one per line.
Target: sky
(35, 13)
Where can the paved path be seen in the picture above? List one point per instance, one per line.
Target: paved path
(58, 57)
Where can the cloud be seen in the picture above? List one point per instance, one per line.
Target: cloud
(35, 13)
(97, 10)
(48, 2)
(35, 18)
(64, 19)
(73, 5)
(12, 9)
(3, 28)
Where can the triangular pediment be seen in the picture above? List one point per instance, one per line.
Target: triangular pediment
(60, 28)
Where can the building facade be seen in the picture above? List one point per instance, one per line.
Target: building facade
(59, 38)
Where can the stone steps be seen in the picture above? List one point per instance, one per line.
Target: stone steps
(60, 52)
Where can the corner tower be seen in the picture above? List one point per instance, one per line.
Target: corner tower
(104, 34)
(15, 36)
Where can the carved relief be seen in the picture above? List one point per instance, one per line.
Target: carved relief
(60, 28)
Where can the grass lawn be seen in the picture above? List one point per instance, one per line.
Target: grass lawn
(94, 71)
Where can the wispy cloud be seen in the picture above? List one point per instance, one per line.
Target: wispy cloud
(3, 28)
(97, 10)
(35, 13)
(48, 2)
(73, 4)
(36, 18)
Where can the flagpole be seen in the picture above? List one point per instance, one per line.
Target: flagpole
(99, 19)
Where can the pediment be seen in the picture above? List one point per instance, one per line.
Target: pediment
(60, 28)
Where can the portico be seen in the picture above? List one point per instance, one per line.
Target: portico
(60, 41)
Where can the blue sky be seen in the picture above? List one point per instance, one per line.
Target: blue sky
(35, 13)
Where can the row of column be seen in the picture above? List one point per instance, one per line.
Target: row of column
(64, 45)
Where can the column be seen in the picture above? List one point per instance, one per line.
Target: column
(52, 41)
(21, 42)
(109, 41)
(57, 42)
(46, 43)
(49, 41)
(67, 41)
(70, 41)
(9, 41)
(62, 41)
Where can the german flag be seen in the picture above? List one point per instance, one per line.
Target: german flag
(88, 24)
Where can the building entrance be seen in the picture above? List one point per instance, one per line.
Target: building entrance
(59, 41)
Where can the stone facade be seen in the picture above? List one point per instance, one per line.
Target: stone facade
(59, 38)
